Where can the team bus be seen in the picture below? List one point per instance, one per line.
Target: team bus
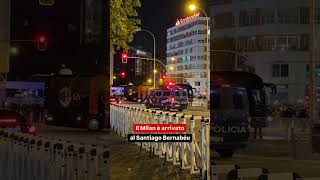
(78, 101)
(236, 97)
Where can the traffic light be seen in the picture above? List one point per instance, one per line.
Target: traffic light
(122, 74)
(42, 42)
(164, 77)
(124, 57)
(46, 2)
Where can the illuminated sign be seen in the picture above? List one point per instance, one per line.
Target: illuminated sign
(179, 21)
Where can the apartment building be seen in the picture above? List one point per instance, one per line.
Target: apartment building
(187, 52)
(274, 36)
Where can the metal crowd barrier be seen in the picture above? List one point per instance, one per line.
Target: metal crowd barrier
(194, 155)
(26, 157)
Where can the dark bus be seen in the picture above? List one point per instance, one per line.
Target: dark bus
(238, 100)
(78, 101)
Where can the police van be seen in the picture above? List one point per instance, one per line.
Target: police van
(167, 99)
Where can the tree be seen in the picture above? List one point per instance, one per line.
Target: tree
(124, 23)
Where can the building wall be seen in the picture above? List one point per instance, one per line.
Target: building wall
(4, 35)
(187, 53)
(274, 35)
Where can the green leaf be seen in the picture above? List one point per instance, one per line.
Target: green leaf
(124, 22)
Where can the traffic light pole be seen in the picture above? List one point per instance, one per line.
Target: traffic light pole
(154, 56)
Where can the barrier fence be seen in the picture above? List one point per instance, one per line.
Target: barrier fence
(194, 156)
(26, 157)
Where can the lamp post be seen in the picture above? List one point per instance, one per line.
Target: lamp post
(193, 7)
(154, 55)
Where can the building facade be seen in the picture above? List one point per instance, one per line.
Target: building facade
(274, 36)
(187, 52)
(4, 36)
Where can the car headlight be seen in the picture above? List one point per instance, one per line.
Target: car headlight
(79, 118)
(49, 118)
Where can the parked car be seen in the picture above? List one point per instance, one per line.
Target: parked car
(14, 121)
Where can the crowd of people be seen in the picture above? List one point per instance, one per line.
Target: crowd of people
(290, 111)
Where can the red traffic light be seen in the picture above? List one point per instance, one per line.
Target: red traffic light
(42, 42)
(164, 77)
(122, 74)
(124, 57)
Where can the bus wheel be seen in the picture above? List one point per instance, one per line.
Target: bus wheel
(225, 154)
(93, 125)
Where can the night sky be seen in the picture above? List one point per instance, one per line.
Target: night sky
(157, 16)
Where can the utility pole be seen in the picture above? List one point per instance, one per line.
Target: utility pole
(313, 106)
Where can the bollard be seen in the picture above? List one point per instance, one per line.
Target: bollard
(192, 146)
(82, 171)
(32, 158)
(44, 159)
(103, 170)
(59, 161)
(69, 158)
(93, 163)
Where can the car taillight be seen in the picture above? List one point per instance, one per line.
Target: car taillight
(173, 100)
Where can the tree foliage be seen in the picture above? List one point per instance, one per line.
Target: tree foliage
(124, 22)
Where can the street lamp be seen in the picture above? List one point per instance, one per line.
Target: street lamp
(154, 55)
(193, 7)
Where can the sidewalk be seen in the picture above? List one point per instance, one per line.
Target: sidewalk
(127, 161)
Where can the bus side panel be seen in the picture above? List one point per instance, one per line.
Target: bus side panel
(93, 98)
(98, 103)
